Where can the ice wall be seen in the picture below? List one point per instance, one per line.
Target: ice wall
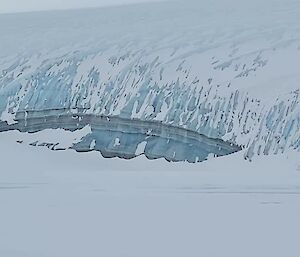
(223, 69)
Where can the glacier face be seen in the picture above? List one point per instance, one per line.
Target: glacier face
(224, 70)
(119, 137)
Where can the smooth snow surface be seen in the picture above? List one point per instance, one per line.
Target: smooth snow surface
(56, 204)
(12, 6)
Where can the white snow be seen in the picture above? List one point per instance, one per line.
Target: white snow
(222, 68)
(62, 203)
(117, 142)
(93, 144)
(140, 148)
(197, 59)
(65, 139)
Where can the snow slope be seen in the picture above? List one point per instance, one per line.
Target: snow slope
(227, 70)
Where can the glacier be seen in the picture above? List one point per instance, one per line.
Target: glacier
(186, 79)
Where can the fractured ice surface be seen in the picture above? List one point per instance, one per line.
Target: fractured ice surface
(225, 70)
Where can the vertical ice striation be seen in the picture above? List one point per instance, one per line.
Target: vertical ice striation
(225, 71)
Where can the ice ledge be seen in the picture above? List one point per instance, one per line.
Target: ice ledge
(125, 138)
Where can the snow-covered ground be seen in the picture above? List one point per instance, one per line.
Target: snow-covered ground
(224, 69)
(68, 204)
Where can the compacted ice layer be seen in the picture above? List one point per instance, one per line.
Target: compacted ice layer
(125, 138)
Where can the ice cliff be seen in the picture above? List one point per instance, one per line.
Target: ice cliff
(226, 71)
